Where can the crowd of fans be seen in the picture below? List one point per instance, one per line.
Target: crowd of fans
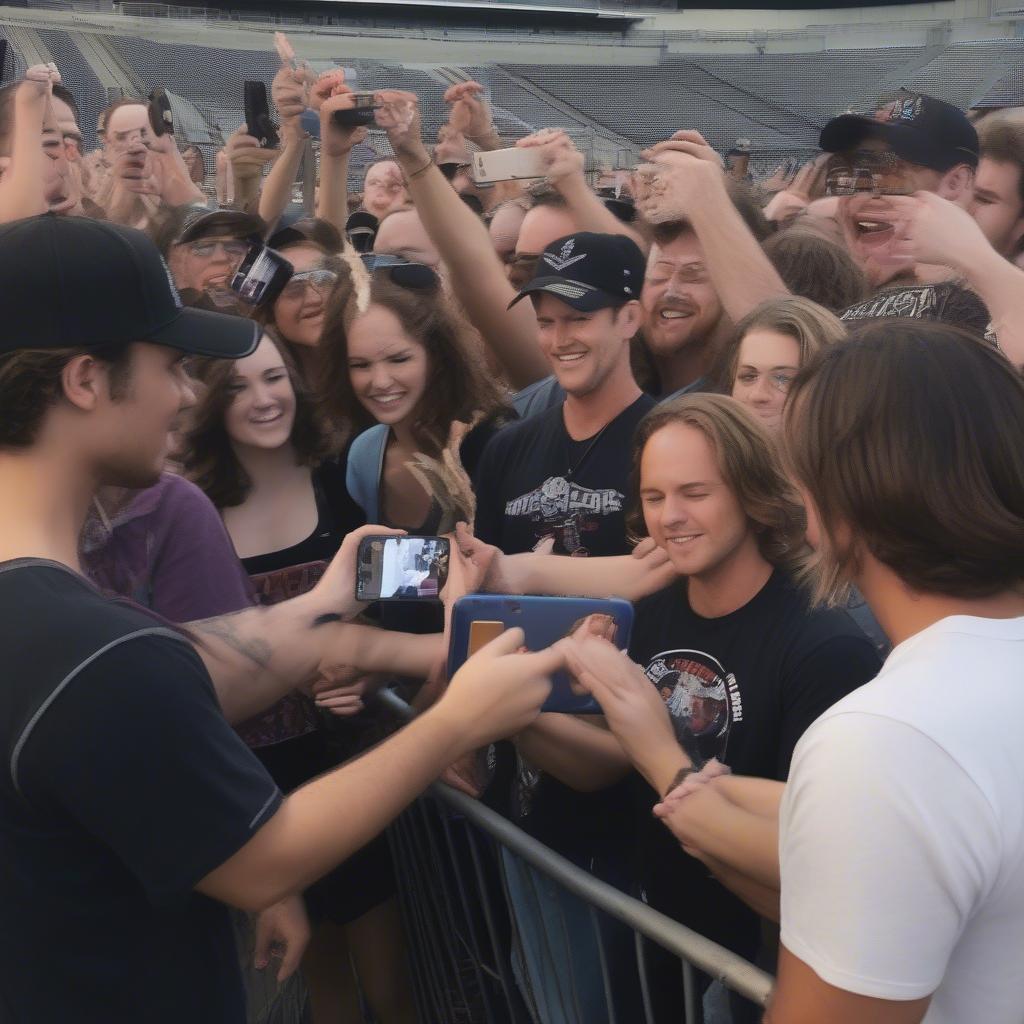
(782, 417)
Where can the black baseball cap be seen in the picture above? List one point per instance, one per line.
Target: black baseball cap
(589, 271)
(205, 223)
(71, 282)
(919, 128)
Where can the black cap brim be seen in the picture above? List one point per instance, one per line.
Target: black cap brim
(202, 332)
(582, 297)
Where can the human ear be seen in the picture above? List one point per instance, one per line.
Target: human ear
(82, 382)
(956, 184)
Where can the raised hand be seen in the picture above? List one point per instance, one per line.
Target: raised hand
(398, 114)
(138, 171)
(246, 157)
(337, 140)
(290, 88)
(562, 160)
(683, 174)
(470, 113)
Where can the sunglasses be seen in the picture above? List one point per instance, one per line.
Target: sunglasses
(321, 280)
(872, 172)
(401, 272)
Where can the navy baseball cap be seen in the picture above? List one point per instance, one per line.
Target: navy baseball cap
(919, 128)
(589, 271)
(71, 282)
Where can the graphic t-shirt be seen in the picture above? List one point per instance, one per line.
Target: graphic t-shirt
(535, 481)
(742, 687)
(525, 492)
(947, 302)
(123, 787)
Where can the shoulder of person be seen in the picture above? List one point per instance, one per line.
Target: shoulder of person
(181, 495)
(537, 397)
(804, 628)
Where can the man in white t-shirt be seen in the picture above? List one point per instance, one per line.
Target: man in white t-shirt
(902, 825)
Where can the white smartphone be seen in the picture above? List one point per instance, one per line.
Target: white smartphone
(508, 165)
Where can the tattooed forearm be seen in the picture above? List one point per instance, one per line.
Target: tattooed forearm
(223, 627)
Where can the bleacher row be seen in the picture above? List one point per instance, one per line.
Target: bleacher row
(778, 101)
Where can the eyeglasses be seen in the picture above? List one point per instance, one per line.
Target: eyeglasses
(234, 250)
(875, 172)
(779, 380)
(321, 280)
(403, 273)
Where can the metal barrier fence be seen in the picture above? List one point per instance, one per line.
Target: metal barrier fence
(452, 858)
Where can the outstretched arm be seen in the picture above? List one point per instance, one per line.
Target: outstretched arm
(497, 692)
(476, 274)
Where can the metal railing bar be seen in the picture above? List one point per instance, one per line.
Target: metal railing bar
(690, 995)
(714, 960)
(641, 968)
(602, 958)
(467, 913)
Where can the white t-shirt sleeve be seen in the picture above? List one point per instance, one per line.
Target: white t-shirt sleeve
(886, 847)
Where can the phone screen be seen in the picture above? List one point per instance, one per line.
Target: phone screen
(261, 276)
(401, 568)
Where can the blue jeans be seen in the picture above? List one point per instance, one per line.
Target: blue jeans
(557, 961)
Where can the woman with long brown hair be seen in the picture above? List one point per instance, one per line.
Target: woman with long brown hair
(401, 367)
(255, 446)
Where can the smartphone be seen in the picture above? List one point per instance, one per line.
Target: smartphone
(478, 618)
(401, 568)
(360, 114)
(257, 116)
(508, 165)
(261, 276)
(161, 120)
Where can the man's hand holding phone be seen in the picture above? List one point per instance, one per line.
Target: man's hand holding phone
(246, 157)
(332, 96)
(561, 161)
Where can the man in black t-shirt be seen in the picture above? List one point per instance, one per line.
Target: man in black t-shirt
(130, 811)
(743, 665)
(563, 473)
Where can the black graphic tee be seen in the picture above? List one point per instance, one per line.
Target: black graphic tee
(535, 481)
(743, 688)
(948, 303)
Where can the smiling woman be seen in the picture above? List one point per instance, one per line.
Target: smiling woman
(407, 363)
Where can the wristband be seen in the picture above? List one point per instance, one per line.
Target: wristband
(419, 171)
(677, 779)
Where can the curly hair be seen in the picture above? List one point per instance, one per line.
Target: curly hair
(751, 466)
(207, 456)
(459, 385)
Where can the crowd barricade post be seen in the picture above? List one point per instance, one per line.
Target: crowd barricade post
(449, 851)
